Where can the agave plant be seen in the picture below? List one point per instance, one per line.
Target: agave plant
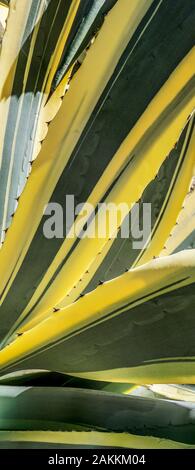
(97, 102)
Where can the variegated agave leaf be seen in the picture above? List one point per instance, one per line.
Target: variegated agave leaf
(136, 422)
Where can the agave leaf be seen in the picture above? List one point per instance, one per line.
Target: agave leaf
(82, 439)
(136, 309)
(56, 409)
